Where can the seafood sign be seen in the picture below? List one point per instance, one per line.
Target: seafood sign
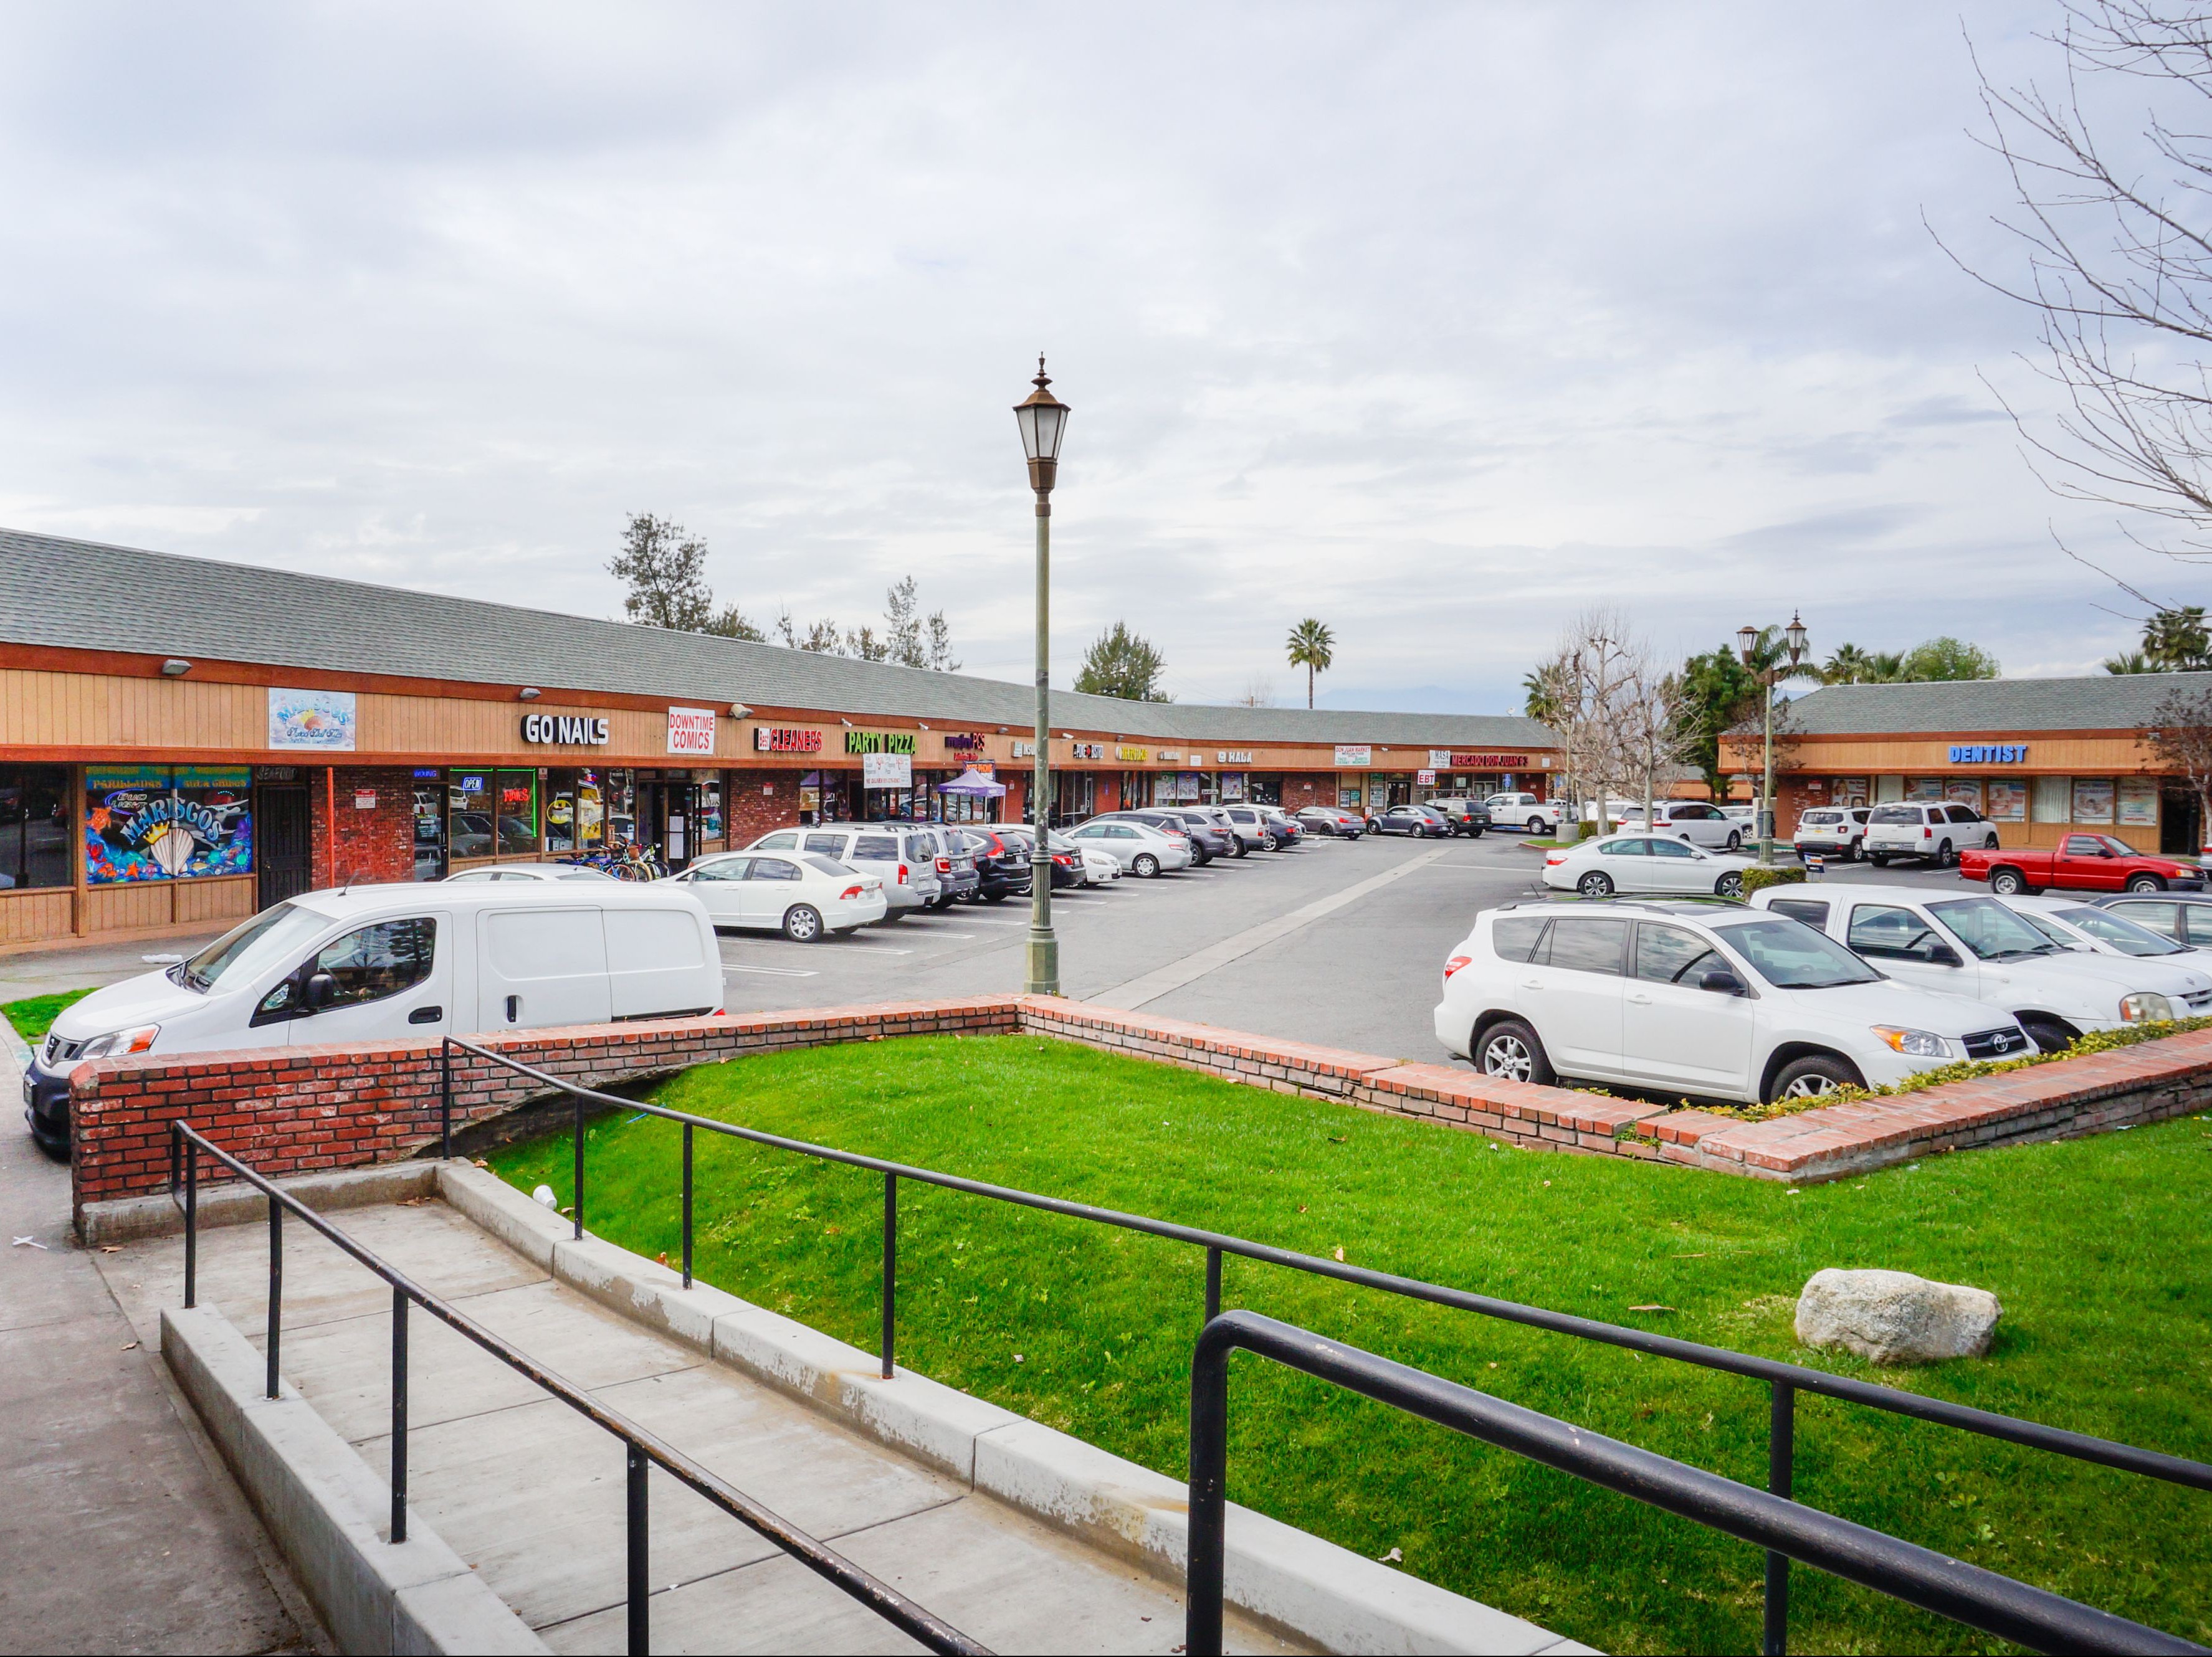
(163, 822)
(310, 719)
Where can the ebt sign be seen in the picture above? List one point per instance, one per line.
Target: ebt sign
(691, 731)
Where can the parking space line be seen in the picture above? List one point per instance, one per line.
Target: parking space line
(775, 972)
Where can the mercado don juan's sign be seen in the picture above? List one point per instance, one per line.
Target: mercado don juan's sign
(1453, 760)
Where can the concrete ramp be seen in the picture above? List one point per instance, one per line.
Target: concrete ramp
(531, 1495)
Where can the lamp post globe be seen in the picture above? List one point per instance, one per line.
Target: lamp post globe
(1042, 419)
(1746, 642)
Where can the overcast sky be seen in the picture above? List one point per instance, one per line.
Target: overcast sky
(1437, 322)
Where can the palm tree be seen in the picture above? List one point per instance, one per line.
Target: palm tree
(1849, 665)
(1546, 691)
(1885, 667)
(1313, 647)
(2130, 661)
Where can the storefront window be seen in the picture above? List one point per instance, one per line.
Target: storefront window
(2092, 800)
(518, 812)
(1850, 791)
(2054, 799)
(34, 826)
(1964, 790)
(2138, 803)
(469, 811)
(2008, 802)
(167, 822)
(1887, 789)
(710, 810)
(575, 812)
(1233, 788)
(1264, 790)
(430, 825)
(1928, 791)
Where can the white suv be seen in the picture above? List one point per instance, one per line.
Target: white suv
(1694, 998)
(1975, 946)
(1937, 833)
(1833, 831)
(1693, 820)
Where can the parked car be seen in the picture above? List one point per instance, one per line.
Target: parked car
(1693, 820)
(1833, 831)
(1644, 863)
(2184, 917)
(1002, 864)
(1937, 833)
(1724, 1004)
(1210, 838)
(397, 964)
(907, 872)
(540, 873)
(1066, 863)
(2081, 862)
(1332, 821)
(1470, 817)
(945, 848)
(1099, 868)
(1973, 945)
(1139, 848)
(1289, 831)
(2074, 925)
(1421, 821)
(1523, 811)
(1233, 842)
(1256, 826)
(1206, 839)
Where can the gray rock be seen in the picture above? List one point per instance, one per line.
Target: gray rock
(1893, 1317)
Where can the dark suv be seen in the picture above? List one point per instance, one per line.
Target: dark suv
(1002, 864)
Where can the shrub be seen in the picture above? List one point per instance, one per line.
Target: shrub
(1758, 879)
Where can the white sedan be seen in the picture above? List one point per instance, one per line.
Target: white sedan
(1644, 863)
(515, 871)
(1140, 850)
(800, 894)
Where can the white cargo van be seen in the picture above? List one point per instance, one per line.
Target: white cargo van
(380, 963)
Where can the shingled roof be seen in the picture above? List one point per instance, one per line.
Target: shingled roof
(86, 595)
(1972, 707)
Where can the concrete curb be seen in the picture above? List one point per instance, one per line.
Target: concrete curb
(327, 1511)
(130, 1219)
(1310, 1588)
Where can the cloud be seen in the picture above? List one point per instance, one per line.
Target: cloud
(1436, 322)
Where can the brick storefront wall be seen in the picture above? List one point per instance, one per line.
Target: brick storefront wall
(304, 1110)
(754, 802)
(372, 845)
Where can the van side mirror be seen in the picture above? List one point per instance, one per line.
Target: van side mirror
(1942, 955)
(1720, 981)
(322, 990)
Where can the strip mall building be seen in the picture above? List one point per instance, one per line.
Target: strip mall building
(2037, 756)
(183, 742)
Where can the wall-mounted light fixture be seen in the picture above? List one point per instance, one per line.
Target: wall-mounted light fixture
(847, 723)
(531, 692)
(176, 667)
(738, 710)
(923, 726)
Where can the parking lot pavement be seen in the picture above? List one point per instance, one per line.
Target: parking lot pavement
(1338, 943)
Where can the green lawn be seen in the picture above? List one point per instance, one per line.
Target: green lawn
(2095, 1247)
(34, 1015)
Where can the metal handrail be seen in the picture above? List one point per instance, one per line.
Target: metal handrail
(1903, 1570)
(1784, 1380)
(642, 1448)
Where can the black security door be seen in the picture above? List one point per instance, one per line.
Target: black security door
(281, 817)
(2178, 820)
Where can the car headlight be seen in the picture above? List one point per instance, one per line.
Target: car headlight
(1914, 1044)
(2145, 1007)
(137, 1039)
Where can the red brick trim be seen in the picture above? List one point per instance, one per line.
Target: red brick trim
(292, 1110)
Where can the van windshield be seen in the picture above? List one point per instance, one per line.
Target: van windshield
(274, 936)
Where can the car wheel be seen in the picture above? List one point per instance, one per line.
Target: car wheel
(1855, 851)
(2145, 883)
(2008, 882)
(1946, 856)
(1734, 840)
(2050, 1035)
(802, 923)
(1509, 1051)
(1146, 865)
(1814, 1077)
(1880, 859)
(1730, 884)
(1535, 825)
(1595, 884)
(1991, 844)
(1475, 832)
(993, 897)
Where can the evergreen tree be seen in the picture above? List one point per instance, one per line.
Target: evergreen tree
(1122, 663)
(665, 570)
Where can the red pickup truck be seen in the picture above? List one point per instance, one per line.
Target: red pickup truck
(2088, 863)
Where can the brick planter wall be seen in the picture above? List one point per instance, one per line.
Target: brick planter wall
(291, 1110)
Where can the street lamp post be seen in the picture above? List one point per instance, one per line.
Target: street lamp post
(1043, 418)
(1746, 643)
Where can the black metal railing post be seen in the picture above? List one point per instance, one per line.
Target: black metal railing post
(579, 1181)
(176, 1158)
(398, 1413)
(687, 1204)
(1781, 1459)
(889, 1346)
(276, 1287)
(192, 1224)
(1212, 1284)
(1209, 1511)
(641, 1559)
(446, 1097)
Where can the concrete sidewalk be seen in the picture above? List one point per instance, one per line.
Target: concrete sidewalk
(91, 964)
(121, 1530)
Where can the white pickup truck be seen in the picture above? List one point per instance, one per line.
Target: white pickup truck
(1523, 811)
